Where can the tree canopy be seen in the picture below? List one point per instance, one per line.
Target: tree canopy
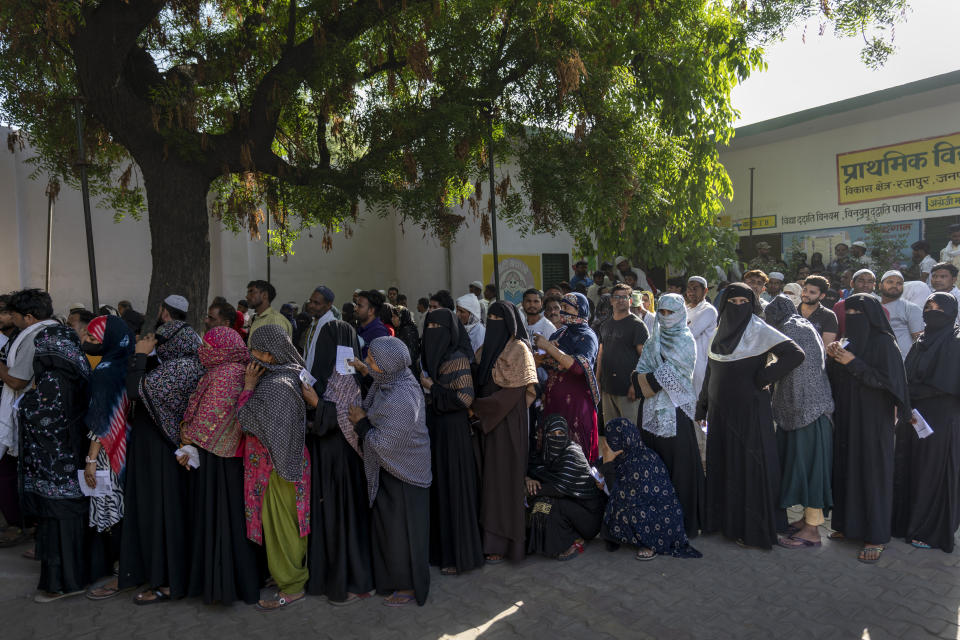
(609, 112)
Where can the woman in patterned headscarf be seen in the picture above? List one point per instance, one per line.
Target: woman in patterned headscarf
(154, 547)
(272, 412)
(664, 379)
(571, 358)
(396, 454)
(109, 338)
(224, 563)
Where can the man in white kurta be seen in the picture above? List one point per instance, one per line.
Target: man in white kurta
(702, 321)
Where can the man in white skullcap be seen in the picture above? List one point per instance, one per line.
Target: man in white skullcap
(906, 318)
(863, 281)
(468, 310)
(476, 288)
(774, 286)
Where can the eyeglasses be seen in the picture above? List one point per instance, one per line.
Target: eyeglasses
(619, 297)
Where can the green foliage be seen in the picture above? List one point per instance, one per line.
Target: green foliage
(611, 110)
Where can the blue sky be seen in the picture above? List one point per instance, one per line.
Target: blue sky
(825, 69)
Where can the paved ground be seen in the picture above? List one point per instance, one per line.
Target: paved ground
(729, 593)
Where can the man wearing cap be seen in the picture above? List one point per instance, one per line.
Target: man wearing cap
(320, 308)
(951, 252)
(260, 294)
(702, 322)
(774, 286)
(943, 278)
(580, 275)
(623, 268)
(841, 261)
(863, 281)
(476, 288)
(923, 262)
(906, 318)
(468, 311)
(858, 252)
(173, 307)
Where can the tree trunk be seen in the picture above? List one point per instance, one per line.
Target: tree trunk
(180, 237)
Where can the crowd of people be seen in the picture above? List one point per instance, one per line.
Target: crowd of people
(341, 450)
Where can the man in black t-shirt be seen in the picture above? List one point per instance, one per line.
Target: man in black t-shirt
(824, 320)
(621, 341)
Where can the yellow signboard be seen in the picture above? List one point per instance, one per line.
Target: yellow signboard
(897, 170)
(946, 201)
(759, 222)
(517, 274)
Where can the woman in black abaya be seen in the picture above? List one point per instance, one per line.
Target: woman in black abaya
(926, 488)
(743, 472)
(454, 531)
(339, 549)
(869, 386)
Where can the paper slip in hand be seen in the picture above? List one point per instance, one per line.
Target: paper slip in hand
(599, 479)
(306, 378)
(844, 343)
(191, 452)
(103, 488)
(344, 355)
(922, 428)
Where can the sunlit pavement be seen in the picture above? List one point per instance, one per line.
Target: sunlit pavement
(729, 593)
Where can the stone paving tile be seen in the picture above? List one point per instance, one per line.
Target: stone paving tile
(729, 593)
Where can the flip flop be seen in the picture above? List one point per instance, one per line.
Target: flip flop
(569, 554)
(861, 555)
(283, 603)
(494, 559)
(836, 535)
(642, 555)
(160, 596)
(449, 571)
(43, 597)
(400, 599)
(352, 598)
(108, 592)
(803, 544)
(919, 544)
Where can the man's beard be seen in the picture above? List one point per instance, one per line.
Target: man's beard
(892, 296)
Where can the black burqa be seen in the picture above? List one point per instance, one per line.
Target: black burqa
(569, 506)
(504, 442)
(454, 494)
(338, 552)
(743, 470)
(866, 392)
(926, 485)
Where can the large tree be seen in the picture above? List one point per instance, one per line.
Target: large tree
(611, 111)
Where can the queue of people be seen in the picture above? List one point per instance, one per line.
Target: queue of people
(342, 451)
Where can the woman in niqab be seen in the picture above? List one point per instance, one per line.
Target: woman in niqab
(927, 472)
(869, 390)
(455, 544)
(743, 472)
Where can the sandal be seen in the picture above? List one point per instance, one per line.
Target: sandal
(158, 596)
(282, 601)
(569, 554)
(645, 554)
(836, 535)
(793, 542)
(866, 554)
(48, 596)
(397, 599)
(919, 544)
(494, 558)
(352, 598)
(449, 571)
(103, 592)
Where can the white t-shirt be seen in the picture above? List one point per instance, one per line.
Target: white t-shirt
(906, 319)
(542, 326)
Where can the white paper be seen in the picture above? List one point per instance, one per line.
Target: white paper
(922, 428)
(844, 343)
(103, 488)
(191, 452)
(306, 378)
(599, 478)
(344, 355)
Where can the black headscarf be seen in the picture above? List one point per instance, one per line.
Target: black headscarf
(733, 318)
(499, 332)
(333, 334)
(440, 343)
(934, 360)
(561, 462)
(872, 339)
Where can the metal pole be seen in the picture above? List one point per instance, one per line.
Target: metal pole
(85, 190)
(50, 197)
(493, 208)
(751, 201)
(268, 246)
